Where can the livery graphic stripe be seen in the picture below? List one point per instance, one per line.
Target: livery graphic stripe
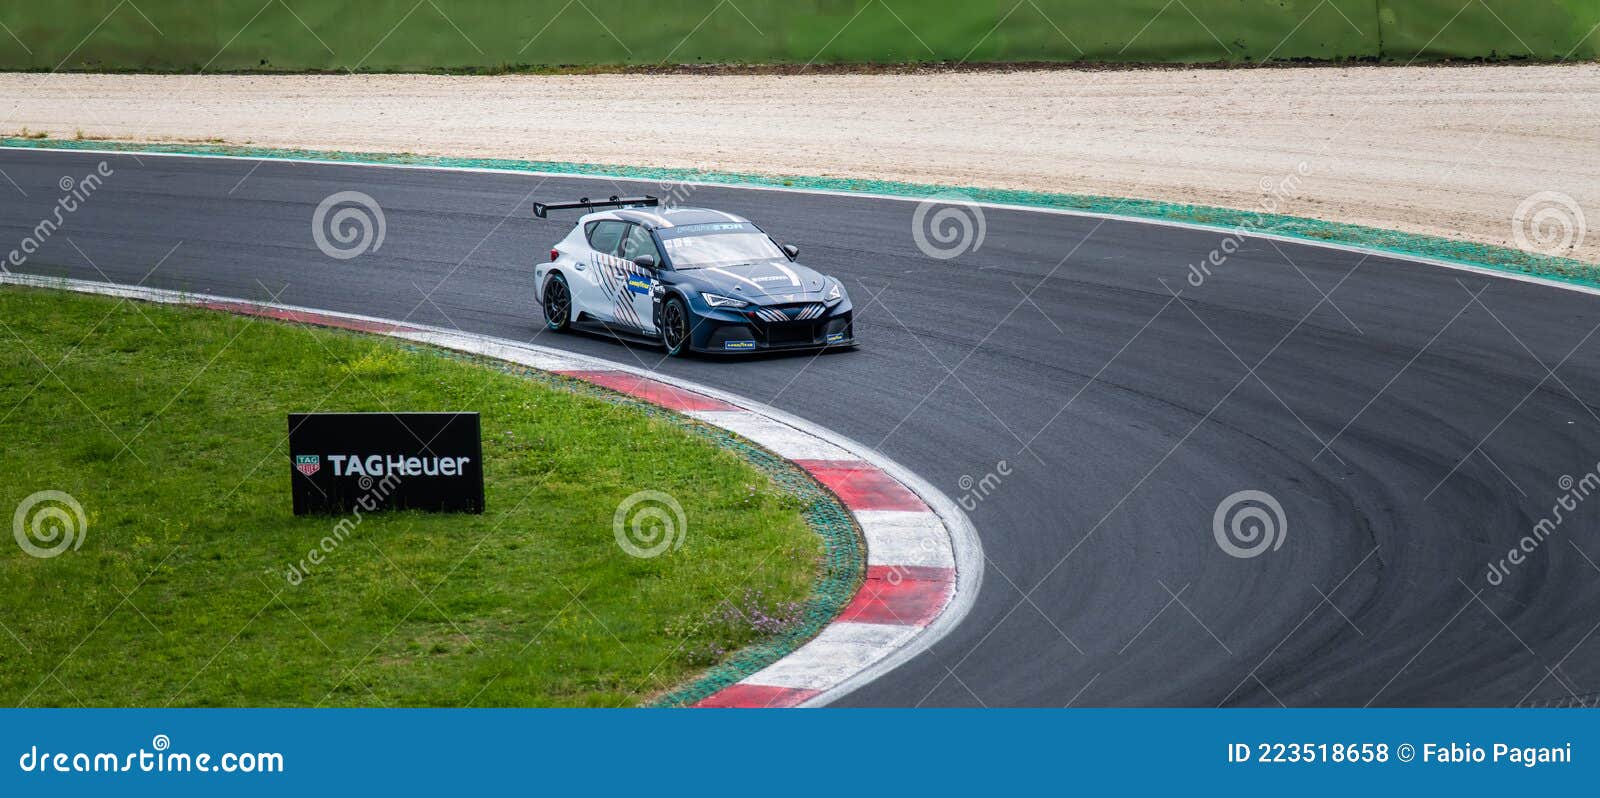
(616, 271)
(731, 275)
(794, 279)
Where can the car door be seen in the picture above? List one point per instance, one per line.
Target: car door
(594, 291)
(636, 295)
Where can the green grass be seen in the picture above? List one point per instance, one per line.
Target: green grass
(178, 594)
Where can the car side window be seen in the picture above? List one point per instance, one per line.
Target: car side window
(638, 242)
(604, 236)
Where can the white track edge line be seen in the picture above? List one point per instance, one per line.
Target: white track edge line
(967, 548)
(1376, 252)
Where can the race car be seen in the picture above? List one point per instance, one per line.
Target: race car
(688, 279)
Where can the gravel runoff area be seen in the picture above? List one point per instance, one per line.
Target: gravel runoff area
(1450, 151)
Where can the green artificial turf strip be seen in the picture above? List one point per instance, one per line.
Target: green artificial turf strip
(167, 425)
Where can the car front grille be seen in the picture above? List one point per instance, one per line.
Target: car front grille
(788, 325)
(786, 334)
(779, 314)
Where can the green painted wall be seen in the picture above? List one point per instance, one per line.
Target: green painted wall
(413, 35)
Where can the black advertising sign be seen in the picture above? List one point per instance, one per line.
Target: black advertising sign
(365, 462)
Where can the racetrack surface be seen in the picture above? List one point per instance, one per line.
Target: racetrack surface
(1448, 402)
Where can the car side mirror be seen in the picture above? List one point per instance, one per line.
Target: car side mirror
(645, 262)
(791, 250)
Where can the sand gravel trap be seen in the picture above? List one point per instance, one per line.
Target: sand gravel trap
(1446, 151)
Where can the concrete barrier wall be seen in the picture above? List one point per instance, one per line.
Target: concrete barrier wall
(423, 35)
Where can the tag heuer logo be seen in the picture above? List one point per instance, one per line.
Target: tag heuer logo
(308, 464)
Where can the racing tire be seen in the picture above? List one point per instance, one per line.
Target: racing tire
(557, 304)
(675, 327)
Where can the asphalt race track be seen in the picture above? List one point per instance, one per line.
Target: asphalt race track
(1413, 422)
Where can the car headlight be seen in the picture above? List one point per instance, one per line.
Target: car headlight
(720, 301)
(835, 294)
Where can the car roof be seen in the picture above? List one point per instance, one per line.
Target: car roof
(654, 218)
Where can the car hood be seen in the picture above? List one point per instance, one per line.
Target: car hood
(769, 281)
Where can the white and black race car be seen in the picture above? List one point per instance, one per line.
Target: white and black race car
(689, 279)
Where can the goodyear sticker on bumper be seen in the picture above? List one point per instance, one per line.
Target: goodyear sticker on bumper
(747, 344)
(834, 338)
(638, 284)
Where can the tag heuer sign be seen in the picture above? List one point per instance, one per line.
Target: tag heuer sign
(367, 462)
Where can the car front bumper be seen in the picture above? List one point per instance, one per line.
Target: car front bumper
(733, 332)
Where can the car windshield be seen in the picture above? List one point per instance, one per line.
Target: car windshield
(709, 245)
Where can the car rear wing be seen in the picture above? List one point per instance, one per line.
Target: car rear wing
(543, 209)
